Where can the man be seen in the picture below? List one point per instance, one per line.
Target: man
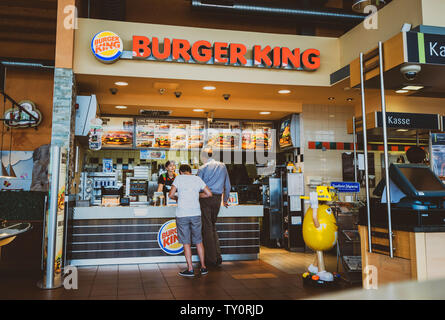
(188, 215)
(215, 176)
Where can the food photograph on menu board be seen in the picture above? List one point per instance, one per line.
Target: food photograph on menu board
(224, 135)
(117, 132)
(256, 136)
(285, 135)
(145, 133)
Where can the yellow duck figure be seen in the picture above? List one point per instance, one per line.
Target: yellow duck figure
(319, 234)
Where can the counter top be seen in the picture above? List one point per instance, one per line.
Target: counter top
(90, 213)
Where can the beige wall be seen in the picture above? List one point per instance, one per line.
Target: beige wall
(85, 62)
(433, 12)
(390, 21)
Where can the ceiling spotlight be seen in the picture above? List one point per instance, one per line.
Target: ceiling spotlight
(121, 83)
(265, 112)
(331, 98)
(402, 91)
(198, 110)
(121, 107)
(349, 99)
(284, 91)
(209, 88)
(360, 5)
(414, 88)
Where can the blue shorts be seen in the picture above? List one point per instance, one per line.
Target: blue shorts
(189, 229)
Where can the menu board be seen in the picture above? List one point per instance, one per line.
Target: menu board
(169, 134)
(224, 135)
(117, 132)
(257, 136)
(285, 134)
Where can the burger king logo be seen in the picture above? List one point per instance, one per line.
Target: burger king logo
(168, 238)
(107, 46)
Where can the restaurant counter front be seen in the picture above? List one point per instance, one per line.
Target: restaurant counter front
(146, 234)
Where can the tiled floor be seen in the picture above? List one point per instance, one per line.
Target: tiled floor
(233, 280)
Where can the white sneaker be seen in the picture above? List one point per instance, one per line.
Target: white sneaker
(312, 269)
(326, 276)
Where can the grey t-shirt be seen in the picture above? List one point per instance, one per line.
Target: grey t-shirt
(188, 187)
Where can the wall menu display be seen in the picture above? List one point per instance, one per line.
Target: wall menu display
(224, 135)
(186, 134)
(256, 136)
(285, 134)
(117, 132)
(169, 134)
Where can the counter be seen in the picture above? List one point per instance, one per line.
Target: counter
(418, 253)
(125, 235)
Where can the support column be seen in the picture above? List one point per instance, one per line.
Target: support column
(61, 153)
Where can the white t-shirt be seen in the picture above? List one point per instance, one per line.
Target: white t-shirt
(188, 188)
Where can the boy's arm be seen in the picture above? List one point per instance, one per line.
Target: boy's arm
(172, 193)
(206, 193)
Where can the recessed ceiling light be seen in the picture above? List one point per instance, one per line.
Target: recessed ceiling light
(331, 98)
(209, 88)
(402, 91)
(349, 99)
(265, 112)
(198, 110)
(121, 83)
(415, 88)
(121, 107)
(402, 130)
(284, 91)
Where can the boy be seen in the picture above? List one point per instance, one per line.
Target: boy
(188, 215)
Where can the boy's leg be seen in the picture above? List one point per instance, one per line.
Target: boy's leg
(188, 256)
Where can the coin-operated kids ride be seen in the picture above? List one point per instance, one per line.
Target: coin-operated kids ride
(320, 234)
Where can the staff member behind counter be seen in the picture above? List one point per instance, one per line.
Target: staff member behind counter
(165, 180)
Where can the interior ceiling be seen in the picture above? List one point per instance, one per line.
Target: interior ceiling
(181, 12)
(431, 77)
(28, 21)
(246, 100)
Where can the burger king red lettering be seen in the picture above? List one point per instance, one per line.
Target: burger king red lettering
(203, 51)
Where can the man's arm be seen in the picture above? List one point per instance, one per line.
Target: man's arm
(227, 187)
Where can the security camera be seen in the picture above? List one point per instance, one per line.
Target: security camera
(178, 94)
(226, 96)
(113, 90)
(162, 91)
(410, 71)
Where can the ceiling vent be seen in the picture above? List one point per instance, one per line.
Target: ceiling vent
(155, 113)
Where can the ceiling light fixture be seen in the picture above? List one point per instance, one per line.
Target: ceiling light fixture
(121, 83)
(402, 91)
(265, 112)
(209, 88)
(331, 98)
(402, 130)
(349, 99)
(121, 107)
(198, 110)
(413, 88)
(284, 91)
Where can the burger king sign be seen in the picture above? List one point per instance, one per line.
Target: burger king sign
(168, 238)
(107, 46)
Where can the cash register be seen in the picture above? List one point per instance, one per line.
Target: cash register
(417, 198)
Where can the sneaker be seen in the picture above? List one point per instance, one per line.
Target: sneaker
(187, 273)
(204, 271)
